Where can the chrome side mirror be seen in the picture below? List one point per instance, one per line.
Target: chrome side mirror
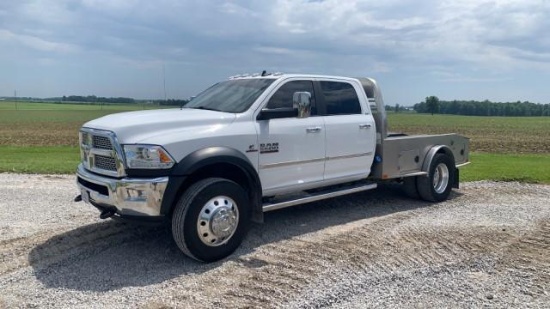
(301, 100)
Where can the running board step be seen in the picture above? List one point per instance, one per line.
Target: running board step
(317, 196)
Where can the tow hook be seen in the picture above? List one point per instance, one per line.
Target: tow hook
(78, 198)
(106, 214)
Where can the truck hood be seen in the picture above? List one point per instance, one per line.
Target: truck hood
(136, 127)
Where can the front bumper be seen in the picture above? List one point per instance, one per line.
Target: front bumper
(128, 197)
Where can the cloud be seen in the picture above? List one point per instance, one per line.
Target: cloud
(397, 38)
(275, 50)
(36, 42)
(463, 31)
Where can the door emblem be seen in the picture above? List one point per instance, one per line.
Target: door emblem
(269, 148)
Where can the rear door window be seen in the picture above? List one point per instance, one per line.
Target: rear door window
(340, 98)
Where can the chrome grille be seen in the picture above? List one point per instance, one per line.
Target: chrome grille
(101, 153)
(105, 163)
(101, 142)
(84, 137)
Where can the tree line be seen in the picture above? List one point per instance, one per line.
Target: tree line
(171, 102)
(120, 100)
(92, 99)
(433, 105)
(95, 99)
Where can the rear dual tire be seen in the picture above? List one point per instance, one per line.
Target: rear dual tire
(437, 185)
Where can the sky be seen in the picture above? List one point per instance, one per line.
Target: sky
(456, 49)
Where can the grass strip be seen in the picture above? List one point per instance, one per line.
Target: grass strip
(531, 168)
(39, 160)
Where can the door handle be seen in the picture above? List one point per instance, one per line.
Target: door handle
(313, 130)
(365, 126)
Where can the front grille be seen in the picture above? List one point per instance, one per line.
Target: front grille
(101, 142)
(101, 153)
(105, 163)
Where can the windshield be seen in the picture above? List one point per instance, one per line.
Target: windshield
(232, 96)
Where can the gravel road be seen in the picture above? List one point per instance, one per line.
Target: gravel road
(488, 246)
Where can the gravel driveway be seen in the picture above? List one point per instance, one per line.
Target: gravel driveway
(489, 245)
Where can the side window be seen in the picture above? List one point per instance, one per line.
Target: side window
(340, 98)
(283, 96)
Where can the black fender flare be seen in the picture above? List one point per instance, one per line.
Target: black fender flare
(209, 156)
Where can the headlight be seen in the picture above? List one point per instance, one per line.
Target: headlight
(147, 157)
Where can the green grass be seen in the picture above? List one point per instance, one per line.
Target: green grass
(39, 160)
(531, 168)
(487, 134)
(500, 167)
(63, 116)
(25, 106)
(43, 138)
(49, 127)
(502, 148)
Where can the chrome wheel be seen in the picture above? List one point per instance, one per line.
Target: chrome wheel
(210, 219)
(218, 221)
(441, 178)
(437, 185)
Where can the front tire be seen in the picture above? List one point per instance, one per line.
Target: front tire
(211, 219)
(437, 186)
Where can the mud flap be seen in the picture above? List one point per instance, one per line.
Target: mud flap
(457, 179)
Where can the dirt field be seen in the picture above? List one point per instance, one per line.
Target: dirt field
(487, 246)
(59, 127)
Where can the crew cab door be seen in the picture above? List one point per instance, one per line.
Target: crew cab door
(350, 131)
(292, 150)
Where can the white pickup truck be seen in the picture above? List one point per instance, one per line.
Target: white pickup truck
(253, 144)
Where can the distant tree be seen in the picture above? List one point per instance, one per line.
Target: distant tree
(432, 104)
(397, 107)
(486, 108)
(172, 102)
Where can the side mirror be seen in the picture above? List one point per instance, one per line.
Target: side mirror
(301, 100)
(285, 112)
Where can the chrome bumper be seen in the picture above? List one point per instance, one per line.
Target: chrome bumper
(130, 196)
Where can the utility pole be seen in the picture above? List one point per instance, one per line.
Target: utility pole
(15, 96)
(164, 82)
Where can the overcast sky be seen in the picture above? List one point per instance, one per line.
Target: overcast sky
(471, 49)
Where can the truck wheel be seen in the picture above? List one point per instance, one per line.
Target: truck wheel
(436, 187)
(409, 187)
(211, 219)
